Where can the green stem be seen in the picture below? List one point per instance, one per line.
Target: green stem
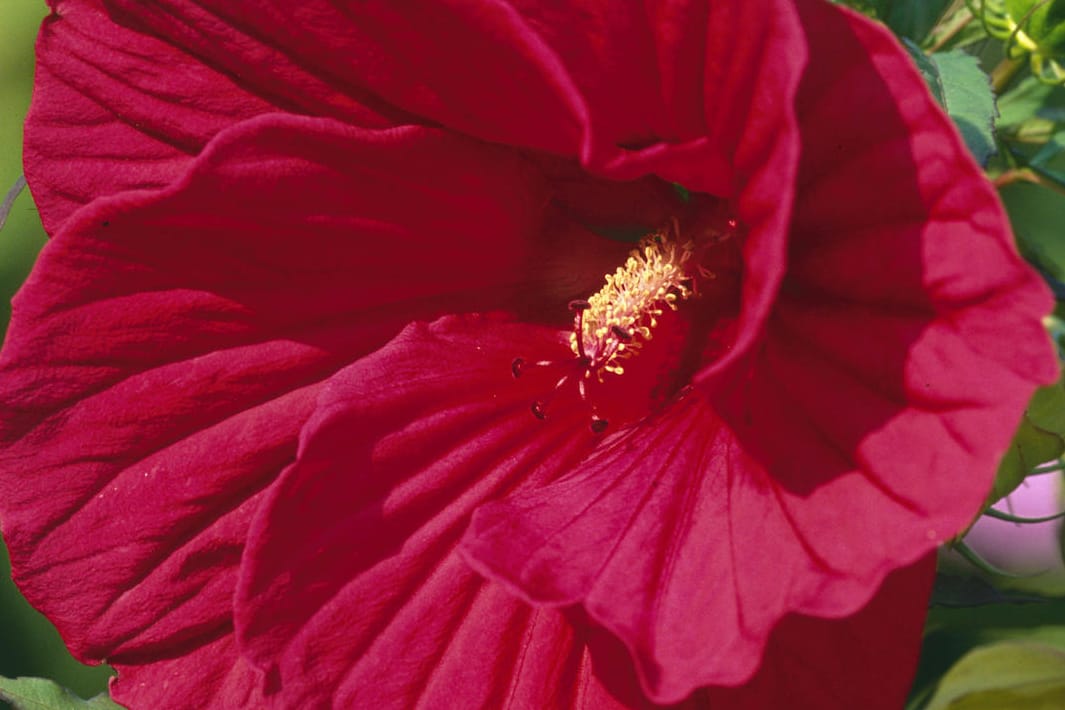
(1027, 175)
(950, 31)
(9, 199)
(1003, 74)
(999, 515)
(973, 558)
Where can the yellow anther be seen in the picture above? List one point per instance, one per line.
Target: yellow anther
(655, 273)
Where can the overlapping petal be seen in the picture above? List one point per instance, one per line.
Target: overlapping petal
(679, 542)
(373, 605)
(175, 343)
(905, 308)
(514, 73)
(127, 94)
(152, 82)
(520, 72)
(654, 534)
(875, 390)
(866, 660)
(118, 106)
(207, 674)
(169, 346)
(363, 607)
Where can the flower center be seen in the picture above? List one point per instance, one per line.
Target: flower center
(636, 313)
(613, 324)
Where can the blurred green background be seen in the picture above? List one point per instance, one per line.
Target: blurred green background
(29, 645)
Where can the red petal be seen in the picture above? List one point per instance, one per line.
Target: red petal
(893, 224)
(168, 347)
(128, 93)
(371, 605)
(212, 676)
(621, 210)
(879, 390)
(749, 150)
(118, 107)
(681, 545)
(907, 337)
(672, 83)
(864, 661)
(647, 535)
(616, 85)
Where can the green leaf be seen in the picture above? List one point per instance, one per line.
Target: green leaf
(1031, 100)
(955, 590)
(964, 90)
(1047, 409)
(1020, 675)
(969, 101)
(1037, 214)
(44, 694)
(1030, 447)
(950, 633)
(1028, 27)
(872, 8)
(912, 18)
(1040, 437)
(1040, 622)
(929, 71)
(1043, 21)
(1049, 161)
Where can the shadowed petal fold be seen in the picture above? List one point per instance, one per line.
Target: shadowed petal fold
(206, 402)
(874, 391)
(866, 660)
(676, 540)
(614, 85)
(404, 444)
(373, 604)
(640, 533)
(195, 678)
(117, 106)
(135, 449)
(906, 337)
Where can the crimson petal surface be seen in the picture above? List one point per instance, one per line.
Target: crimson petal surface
(371, 605)
(170, 344)
(905, 332)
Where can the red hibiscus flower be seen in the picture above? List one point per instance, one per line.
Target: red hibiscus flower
(319, 396)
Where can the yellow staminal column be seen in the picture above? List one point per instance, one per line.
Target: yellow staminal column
(613, 324)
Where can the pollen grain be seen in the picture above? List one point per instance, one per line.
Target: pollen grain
(622, 315)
